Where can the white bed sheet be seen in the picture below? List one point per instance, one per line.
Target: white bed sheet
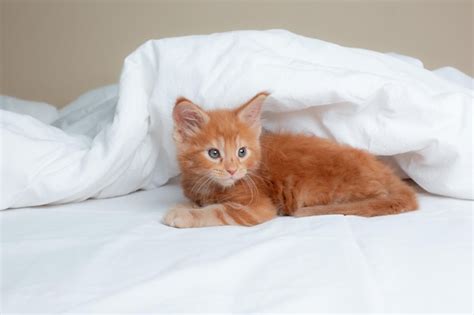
(114, 255)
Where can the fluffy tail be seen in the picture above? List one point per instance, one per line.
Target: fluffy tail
(401, 198)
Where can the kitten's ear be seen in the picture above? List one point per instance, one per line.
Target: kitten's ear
(188, 119)
(249, 113)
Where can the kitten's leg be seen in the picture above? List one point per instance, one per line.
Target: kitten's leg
(221, 214)
(186, 217)
(383, 205)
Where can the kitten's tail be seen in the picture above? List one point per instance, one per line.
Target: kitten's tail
(400, 198)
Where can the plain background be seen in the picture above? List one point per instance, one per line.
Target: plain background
(52, 51)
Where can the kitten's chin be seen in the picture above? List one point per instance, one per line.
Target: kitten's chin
(226, 183)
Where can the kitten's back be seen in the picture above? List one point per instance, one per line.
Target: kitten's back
(306, 171)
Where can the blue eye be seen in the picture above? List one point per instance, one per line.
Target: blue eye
(214, 153)
(242, 152)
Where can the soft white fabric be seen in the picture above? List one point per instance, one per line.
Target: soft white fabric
(90, 113)
(456, 76)
(359, 97)
(114, 255)
(41, 111)
(409, 59)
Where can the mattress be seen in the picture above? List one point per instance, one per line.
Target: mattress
(115, 255)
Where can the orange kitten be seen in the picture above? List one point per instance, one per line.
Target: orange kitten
(236, 175)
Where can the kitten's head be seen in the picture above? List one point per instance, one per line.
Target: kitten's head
(219, 145)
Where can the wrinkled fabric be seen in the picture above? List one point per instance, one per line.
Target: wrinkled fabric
(114, 255)
(44, 112)
(366, 99)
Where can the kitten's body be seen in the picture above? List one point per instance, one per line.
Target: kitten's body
(282, 174)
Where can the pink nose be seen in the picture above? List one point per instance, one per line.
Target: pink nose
(231, 172)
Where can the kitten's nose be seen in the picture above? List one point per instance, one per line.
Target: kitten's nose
(231, 171)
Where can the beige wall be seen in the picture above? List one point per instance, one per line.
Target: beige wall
(54, 50)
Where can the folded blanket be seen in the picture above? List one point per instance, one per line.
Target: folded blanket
(362, 98)
(43, 112)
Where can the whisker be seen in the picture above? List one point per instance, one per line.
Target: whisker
(250, 188)
(204, 185)
(254, 184)
(254, 174)
(197, 184)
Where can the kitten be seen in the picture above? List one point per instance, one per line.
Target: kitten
(237, 175)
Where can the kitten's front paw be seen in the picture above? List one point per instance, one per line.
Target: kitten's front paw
(179, 217)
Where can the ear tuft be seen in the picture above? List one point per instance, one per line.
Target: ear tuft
(188, 118)
(250, 112)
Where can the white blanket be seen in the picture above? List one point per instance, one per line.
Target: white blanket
(359, 97)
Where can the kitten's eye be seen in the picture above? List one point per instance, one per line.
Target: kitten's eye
(214, 153)
(242, 152)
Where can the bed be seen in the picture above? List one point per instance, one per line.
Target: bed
(84, 189)
(114, 255)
